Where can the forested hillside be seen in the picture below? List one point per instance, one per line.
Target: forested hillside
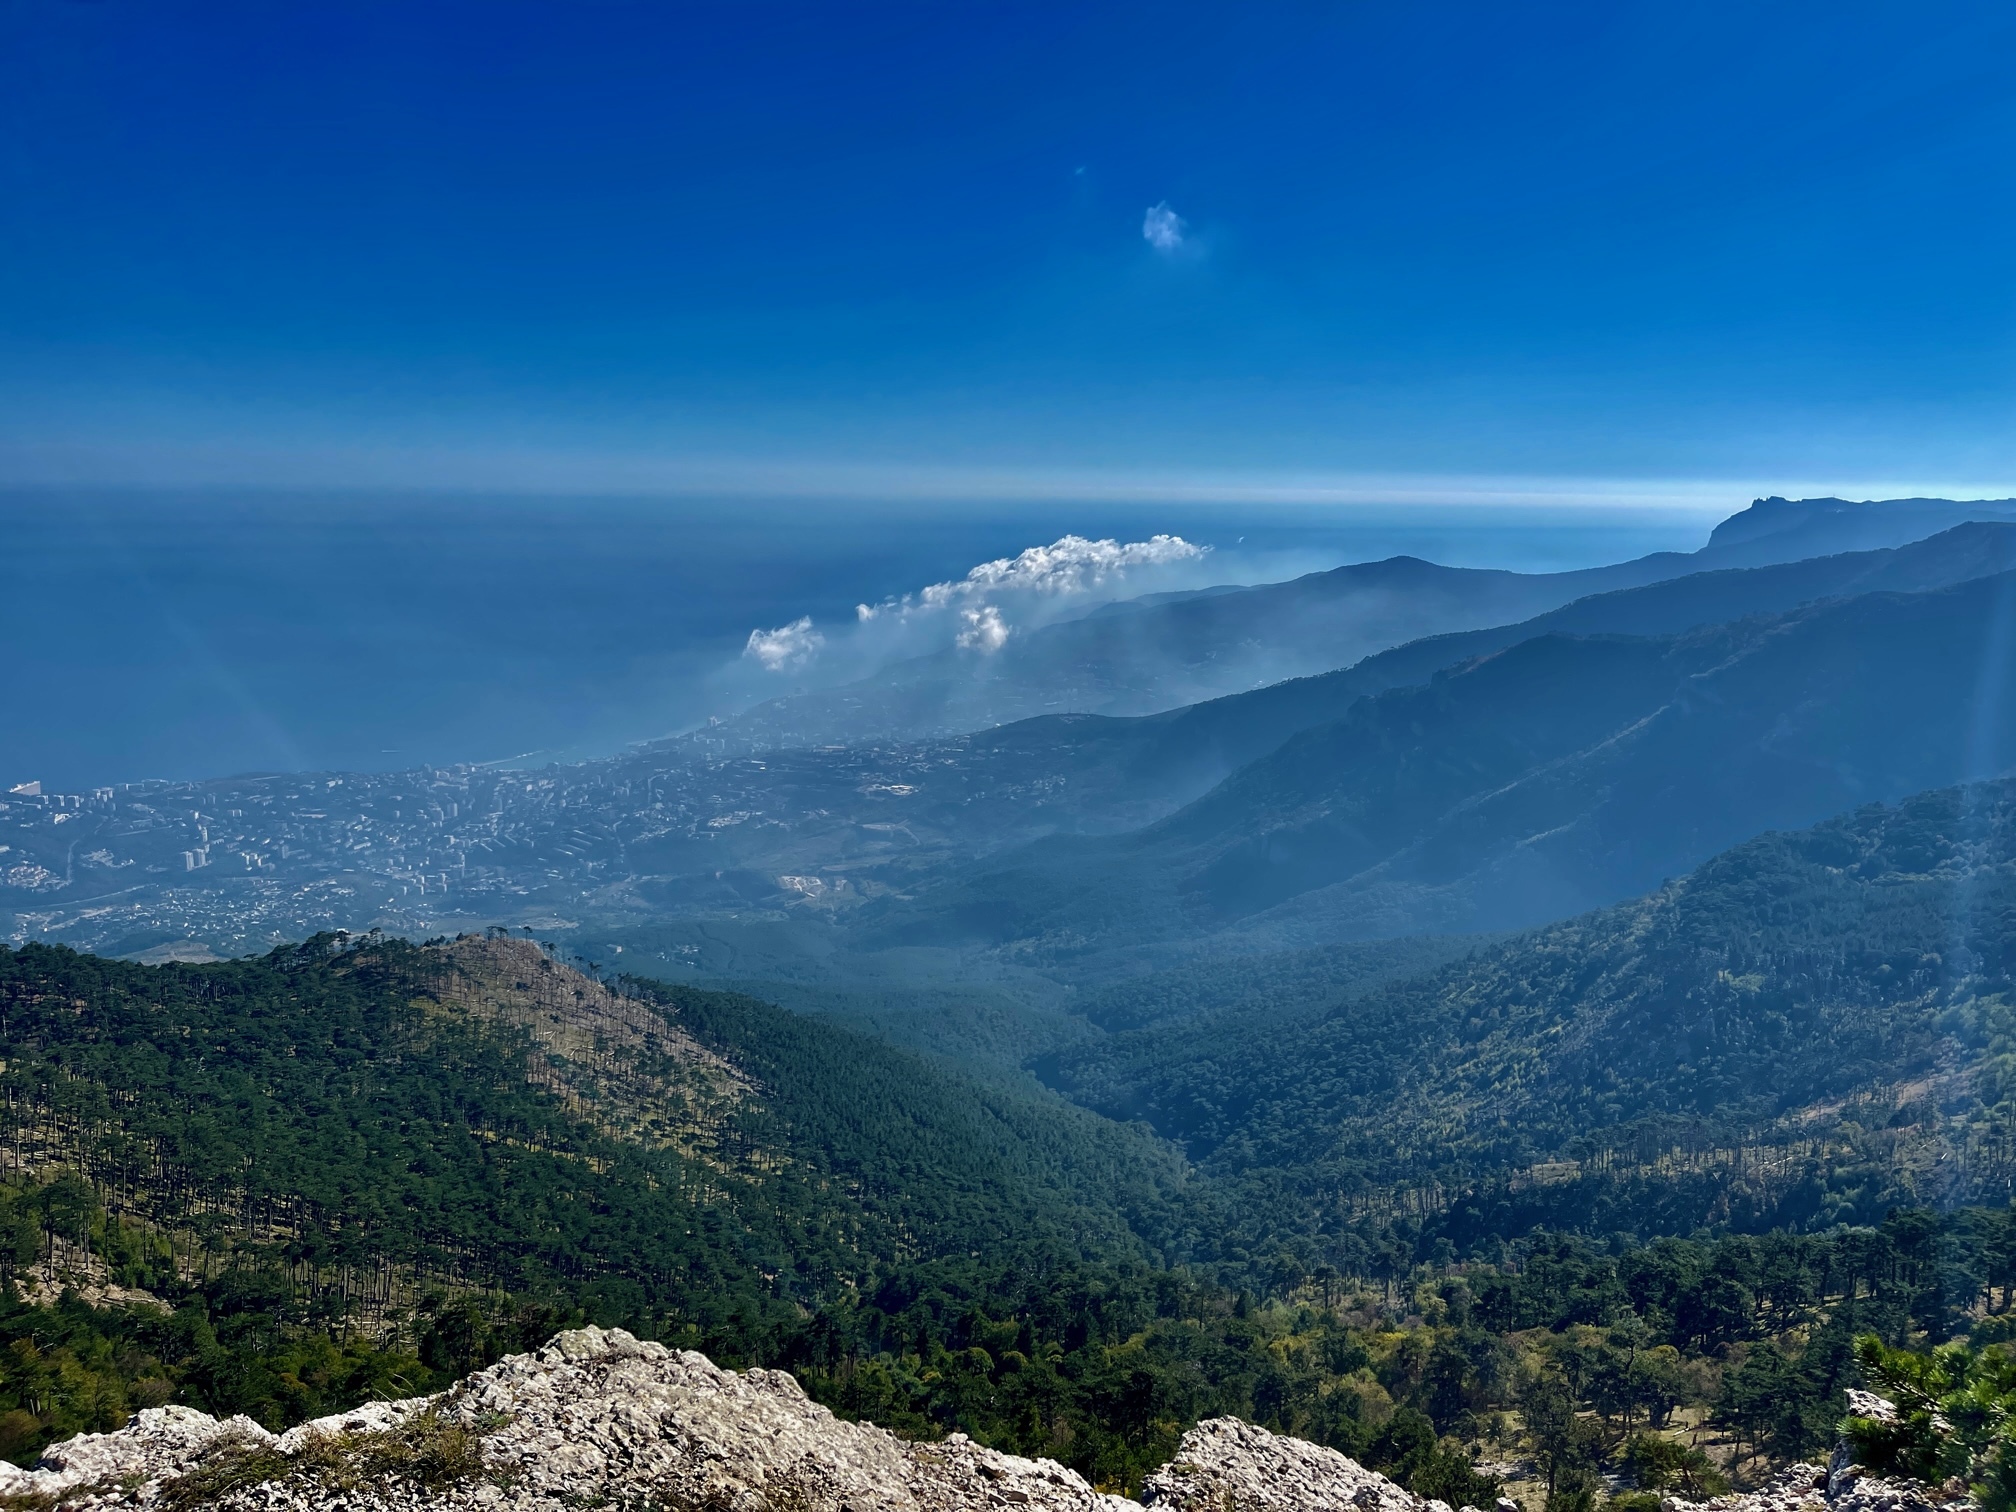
(381, 1117)
(1259, 989)
(350, 1167)
(1802, 1031)
(1667, 1366)
(1413, 1196)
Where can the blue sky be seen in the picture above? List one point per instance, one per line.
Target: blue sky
(820, 246)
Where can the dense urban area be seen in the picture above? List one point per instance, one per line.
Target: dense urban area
(243, 863)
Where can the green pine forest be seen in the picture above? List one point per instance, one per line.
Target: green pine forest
(1434, 1216)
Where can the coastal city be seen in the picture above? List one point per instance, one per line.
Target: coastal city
(238, 865)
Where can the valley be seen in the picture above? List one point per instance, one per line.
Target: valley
(1067, 1079)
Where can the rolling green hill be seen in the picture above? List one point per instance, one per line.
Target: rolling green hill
(386, 1117)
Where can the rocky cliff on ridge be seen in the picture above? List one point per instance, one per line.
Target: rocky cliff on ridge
(601, 1419)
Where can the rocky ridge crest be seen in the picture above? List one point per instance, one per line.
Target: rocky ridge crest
(600, 1418)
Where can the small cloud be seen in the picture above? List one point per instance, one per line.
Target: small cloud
(985, 632)
(973, 608)
(1070, 564)
(1162, 228)
(786, 647)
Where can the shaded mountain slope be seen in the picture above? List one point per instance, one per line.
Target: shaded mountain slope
(1265, 987)
(1560, 774)
(1079, 773)
(1092, 774)
(1791, 528)
(1185, 750)
(1168, 651)
(241, 863)
(1132, 660)
(1839, 993)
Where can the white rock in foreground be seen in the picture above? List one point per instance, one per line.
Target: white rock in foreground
(602, 1418)
(1226, 1463)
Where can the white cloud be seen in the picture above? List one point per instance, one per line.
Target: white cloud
(1162, 228)
(1070, 564)
(786, 647)
(985, 632)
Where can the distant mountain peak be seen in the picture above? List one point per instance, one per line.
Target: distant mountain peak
(1896, 521)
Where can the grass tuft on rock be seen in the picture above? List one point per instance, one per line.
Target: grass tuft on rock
(425, 1452)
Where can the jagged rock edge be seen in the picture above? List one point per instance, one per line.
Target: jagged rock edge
(600, 1417)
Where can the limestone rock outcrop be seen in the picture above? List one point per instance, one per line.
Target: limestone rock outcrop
(1231, 1465)
(1841, 1486)
(599, 1418)
(1806, 1488)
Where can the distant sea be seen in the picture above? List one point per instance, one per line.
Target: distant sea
(189, 635)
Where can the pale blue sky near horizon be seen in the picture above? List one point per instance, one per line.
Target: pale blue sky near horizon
(984, 250)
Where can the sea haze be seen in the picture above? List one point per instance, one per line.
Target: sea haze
(191, 635)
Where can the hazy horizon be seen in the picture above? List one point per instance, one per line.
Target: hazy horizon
(201, 633)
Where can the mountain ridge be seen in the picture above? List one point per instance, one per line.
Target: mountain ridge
(1219, 641)
(1558, 774)
(801, 835)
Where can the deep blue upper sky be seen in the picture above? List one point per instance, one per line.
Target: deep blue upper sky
(442, 243)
